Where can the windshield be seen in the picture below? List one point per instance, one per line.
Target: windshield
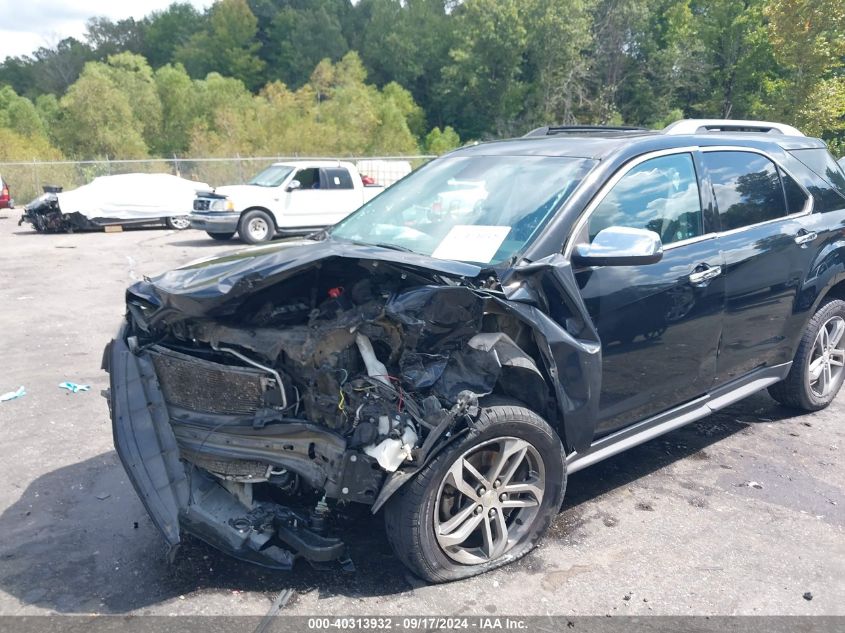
(273, 176)
(481, 209)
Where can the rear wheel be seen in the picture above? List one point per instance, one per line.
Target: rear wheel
(255, 227)
(483, 502)
(819, 366)
(221, 236)
(178, 223)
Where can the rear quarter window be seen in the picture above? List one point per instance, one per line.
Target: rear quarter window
(829, 187)
(338, 178)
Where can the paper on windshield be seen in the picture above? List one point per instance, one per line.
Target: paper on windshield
(471, 243)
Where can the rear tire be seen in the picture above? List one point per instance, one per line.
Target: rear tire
(178, 223)
(817, 371)
(256, 227)
(447, 523)
(222, 237)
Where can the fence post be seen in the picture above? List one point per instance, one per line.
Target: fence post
(240, 167)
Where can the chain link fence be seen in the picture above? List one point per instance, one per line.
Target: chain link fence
(28, 179)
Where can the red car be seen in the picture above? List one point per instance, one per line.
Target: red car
(6, 201)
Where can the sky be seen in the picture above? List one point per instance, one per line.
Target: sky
(30, 24)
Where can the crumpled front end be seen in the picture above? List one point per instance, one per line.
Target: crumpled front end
(251, 411)
(46, 216)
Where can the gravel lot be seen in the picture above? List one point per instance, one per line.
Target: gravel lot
(741, 513)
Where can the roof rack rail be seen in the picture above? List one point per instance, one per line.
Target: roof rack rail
(551, 130)
(701, 126)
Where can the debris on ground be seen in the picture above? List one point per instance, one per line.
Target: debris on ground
(12, 395)
(278, 604)
(73, 387)
(808, 595)
(103, 496)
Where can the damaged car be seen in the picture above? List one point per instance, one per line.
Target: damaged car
(120, 200)
(451, 369)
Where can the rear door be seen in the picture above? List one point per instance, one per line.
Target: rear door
(659, 324)
(765, 243)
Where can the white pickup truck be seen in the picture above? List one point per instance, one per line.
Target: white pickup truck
(290, 198)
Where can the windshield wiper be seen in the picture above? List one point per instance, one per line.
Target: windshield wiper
(393, 247)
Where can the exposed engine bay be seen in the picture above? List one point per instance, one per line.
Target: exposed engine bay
(334, 385)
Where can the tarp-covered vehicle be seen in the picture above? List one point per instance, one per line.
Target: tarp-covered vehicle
(453, 363)
(120, 200)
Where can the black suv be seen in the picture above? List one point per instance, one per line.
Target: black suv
(508, 314)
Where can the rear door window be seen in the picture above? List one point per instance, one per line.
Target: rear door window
(660, 194)
(796, 199)
(747, 187)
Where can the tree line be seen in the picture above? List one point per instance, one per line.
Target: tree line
(385, 77)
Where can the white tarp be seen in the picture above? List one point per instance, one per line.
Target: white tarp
(132, 197)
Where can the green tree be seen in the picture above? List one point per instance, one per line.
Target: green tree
(441, 141)
(15, 146)
(808, 37)
(558, 53)
(300, 36)
(133, 77)
(167, 30)
(180, 109)
(47, 70)
(19, 114)
(96, 118)
(662, 62)
(226, 45)
(486, 67)
(110, 38)
(738, 54)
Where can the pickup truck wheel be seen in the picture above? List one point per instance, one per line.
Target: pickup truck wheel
(221, 236)
(255, 227)
(482, 502)
(178, 223)
(819, 366)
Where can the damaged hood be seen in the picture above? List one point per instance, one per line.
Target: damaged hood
(213, 285)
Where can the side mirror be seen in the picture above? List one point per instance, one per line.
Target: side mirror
(620, 246)
(293, 185)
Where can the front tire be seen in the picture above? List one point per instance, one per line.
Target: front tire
(819, 366)
(256, 227)
(484, 501)
(178, 223)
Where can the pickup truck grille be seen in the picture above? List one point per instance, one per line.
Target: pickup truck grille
(202, 204)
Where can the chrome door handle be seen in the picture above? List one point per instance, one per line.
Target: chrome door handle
(806, 238)
(703, 276)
